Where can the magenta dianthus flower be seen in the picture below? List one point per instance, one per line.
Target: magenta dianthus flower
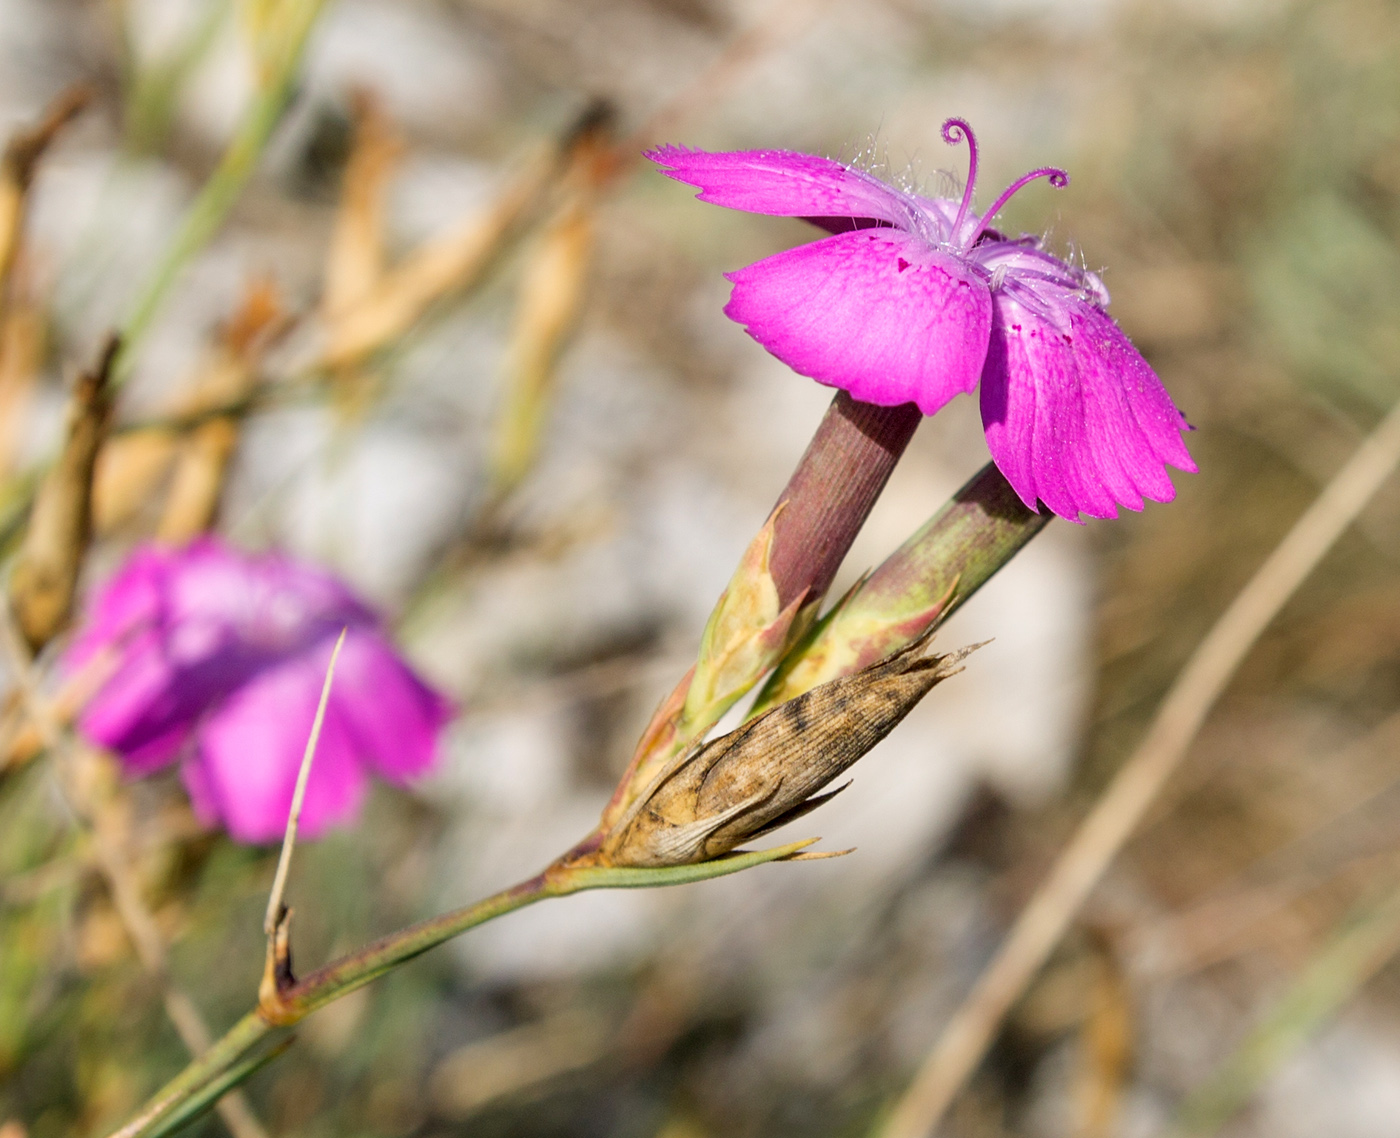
(216, 658)
(914, 299)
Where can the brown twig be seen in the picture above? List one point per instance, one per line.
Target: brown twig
(45, 576)
(1043, 922)
(17, 165)
(70, 759)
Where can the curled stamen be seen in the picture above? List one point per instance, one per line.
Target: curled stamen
(954, 132)
(1058, 178)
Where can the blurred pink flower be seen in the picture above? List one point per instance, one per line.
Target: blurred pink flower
(914, 299)
(217, 661)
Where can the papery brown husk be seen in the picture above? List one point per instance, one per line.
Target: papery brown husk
(714, 797)
(45, 575)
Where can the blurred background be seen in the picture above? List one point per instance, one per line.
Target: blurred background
(540, 451)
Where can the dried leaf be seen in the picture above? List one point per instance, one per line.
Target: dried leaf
(458, 259)
(45, 575)
(355, 258)
(229, 374)
(23, 331)
(551, 296)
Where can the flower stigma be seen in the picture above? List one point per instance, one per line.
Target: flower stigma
(958, 130)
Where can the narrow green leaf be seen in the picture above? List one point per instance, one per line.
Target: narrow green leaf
(603, 877)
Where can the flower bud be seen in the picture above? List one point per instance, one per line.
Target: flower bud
(718, 795)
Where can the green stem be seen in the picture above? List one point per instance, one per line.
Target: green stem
(218, 194)
(221, 1057)
(935, 571)
(343, 976)
(155, 89)
(369, 963)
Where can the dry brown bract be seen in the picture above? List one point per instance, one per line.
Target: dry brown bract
(45, 575)
(718, 795)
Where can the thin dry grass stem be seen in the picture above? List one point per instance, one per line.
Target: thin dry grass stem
(275, 907)
(355, 255)
(1079, 868)
(553, 286)
(277, 973)
(457, 260)
(22, 323)
(453, 262)
(88, 787)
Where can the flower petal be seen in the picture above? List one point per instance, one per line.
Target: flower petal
(268, 604)
(141, 712)
(250, 751)
(392, 716)
(785, 184)
(129, 601)
(875, 311)
(1077, 418)
(185, 628)
(380, 717)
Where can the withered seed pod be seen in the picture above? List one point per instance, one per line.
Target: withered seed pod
(718, 795)
(45, 575)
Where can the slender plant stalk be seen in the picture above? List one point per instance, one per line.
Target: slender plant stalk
(818, 516)
(216, 197)
(213, 1092)
(153, 90)
(344, 976)
(289, 838)
(833, 490)
(1135, 787)
(220, 1058)
(936, 571)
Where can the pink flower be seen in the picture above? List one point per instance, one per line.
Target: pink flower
(914, 299)
(216, 660)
